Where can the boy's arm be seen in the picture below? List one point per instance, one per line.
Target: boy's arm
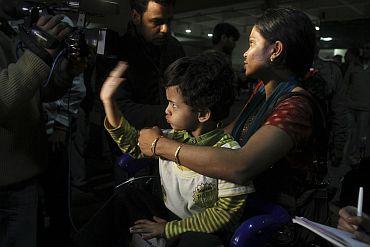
(125, 136)
(224, 215)
(108, 91)
(120, 130)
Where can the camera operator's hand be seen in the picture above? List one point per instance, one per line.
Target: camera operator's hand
(54, 26)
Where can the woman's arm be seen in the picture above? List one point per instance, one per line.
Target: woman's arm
(268, 145)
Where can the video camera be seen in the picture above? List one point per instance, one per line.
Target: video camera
(81, 40)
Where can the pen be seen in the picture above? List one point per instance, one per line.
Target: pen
(360, 200)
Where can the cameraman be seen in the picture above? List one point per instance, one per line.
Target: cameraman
(22, 135)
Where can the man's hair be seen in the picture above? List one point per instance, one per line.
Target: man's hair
(141, 5)
(204, 81)
(226, 29)
(297, 33)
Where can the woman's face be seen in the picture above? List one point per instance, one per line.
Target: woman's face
(257, 57)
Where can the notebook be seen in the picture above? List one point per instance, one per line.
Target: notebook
(331, 234)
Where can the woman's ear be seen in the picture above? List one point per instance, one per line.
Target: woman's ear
(136, 17)
(204, 115)
(277, 50)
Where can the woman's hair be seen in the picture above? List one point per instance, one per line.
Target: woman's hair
(205, 81)
(297, 33)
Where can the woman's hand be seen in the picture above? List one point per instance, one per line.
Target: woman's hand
(113, 81)
(149, 229)
(358, 225)
(146, 138)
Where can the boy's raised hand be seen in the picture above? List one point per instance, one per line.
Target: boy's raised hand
(113, 81)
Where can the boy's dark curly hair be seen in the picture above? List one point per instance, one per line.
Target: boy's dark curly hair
(205, 81)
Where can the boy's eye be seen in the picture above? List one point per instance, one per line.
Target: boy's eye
(173, 105)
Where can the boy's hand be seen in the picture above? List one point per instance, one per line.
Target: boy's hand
(149, 229)
(113, 81)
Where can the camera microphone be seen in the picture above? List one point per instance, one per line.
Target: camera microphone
(16, 9)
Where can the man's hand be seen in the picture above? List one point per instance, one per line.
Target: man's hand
(360, 226)
(58, 139)
(149, 229)
(54, 26)
(113, 81)
(146, 138)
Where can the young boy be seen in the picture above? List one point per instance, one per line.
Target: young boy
(199, 93)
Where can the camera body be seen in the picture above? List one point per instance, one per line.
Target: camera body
(80, 42)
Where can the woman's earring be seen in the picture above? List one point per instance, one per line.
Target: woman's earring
(271, 59)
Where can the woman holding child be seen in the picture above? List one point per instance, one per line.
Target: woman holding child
(276, 129)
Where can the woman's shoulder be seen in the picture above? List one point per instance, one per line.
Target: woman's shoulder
(293, 114)
(298, 99)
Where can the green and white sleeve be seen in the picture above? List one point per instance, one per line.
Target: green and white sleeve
(126, 137)
(223, 216)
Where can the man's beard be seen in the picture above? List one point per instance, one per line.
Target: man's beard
(160, 41)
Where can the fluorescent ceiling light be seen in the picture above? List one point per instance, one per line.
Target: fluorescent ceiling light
(188, 30)
(210, 35)
(326, 38)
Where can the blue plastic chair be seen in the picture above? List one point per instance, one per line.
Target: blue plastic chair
(258, 230)
(132, 166)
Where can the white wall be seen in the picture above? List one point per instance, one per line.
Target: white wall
(116, 22)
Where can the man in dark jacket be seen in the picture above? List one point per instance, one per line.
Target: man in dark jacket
(149, 48)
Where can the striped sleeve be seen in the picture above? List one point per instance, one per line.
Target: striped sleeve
(126, 137)
(223, 216)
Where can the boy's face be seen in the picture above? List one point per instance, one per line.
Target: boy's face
(178, 114)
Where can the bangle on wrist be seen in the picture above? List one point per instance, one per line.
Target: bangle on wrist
(177, 153)
(154, 144)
